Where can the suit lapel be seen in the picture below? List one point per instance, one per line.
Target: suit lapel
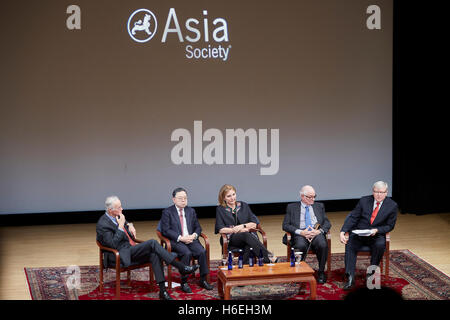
(298, 214)
(382, 211)
(176, 214)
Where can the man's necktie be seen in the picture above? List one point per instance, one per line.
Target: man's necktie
(181, 221)
(129, 238)
(375, 212)
(307, 218)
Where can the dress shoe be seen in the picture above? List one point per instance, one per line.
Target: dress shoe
(350, 282)
(206, 285)
(164, 295)
(189, 269)
(185, 287)
(321, 277)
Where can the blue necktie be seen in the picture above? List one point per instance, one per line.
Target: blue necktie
(307, 217)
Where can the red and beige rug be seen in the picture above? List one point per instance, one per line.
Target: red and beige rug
(410, 276)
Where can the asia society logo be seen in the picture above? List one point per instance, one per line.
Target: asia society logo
(142, 25)
(207, 38)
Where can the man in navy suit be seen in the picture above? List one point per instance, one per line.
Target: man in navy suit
(115, 232)
(180, 225)
(300, 219)
(376, 213)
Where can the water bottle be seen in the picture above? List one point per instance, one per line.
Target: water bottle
(250, 259)
(230, 260)
(261, 258)
(292, 258)
(241, 259)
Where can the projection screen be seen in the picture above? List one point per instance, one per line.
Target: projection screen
(134, 98)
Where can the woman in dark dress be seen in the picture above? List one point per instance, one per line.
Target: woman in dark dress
(236, 219)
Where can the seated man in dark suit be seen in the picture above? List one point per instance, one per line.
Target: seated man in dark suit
(377, 213)
(180, 225)
(115, 232)
(299, 221)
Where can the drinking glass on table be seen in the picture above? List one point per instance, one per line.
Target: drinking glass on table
(272, 258)
(224, 263)
(298, 256)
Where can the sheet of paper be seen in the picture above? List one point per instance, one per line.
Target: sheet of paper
(363, 232)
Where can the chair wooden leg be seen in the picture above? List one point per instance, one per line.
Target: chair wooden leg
(329, 265)
(101, 278)
(169, 276)
(150, 277)
(381, 265)
(387, 265)
(117, 284)
(129, 278)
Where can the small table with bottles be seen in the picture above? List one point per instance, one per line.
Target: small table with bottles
(281, 272)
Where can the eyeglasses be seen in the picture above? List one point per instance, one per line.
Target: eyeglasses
(380, 192)
(311, 197)
(181, 198)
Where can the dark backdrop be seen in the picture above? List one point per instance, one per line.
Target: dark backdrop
(420, 124)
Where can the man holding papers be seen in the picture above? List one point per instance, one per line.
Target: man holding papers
(371, 219)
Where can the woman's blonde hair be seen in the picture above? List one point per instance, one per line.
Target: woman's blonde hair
(223, 191)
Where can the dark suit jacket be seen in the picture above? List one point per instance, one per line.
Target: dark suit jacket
(291, 220)
(170, 222)
(359, 218)
(109, 235)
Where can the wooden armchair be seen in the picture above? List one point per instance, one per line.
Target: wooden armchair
(259, 231)
(288, 251)
(365, 251)
(165, 243)
(119, 269)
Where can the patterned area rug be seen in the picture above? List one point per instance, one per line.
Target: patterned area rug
(410, 276)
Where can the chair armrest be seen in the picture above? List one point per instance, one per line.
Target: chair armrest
(165, 242)
(205, 238)
(224, 244)
(288, 237)
(103, 248)
(116, 253)
(262, 232)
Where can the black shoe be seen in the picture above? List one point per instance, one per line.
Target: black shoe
(350, 282)
(321, 278)
(206, 285)
(164, 295)
(185, 287)
(189, 269)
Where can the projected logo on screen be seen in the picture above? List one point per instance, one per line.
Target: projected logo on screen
(213, 153)
(142, 25)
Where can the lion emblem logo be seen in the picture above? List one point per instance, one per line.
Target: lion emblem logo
(142, 25)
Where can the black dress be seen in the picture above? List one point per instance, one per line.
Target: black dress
(242, 214)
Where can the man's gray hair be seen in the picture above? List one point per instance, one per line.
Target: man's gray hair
(380, 185)
(110, 201)
(302, 190)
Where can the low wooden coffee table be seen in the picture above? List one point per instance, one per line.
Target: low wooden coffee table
(279, 273)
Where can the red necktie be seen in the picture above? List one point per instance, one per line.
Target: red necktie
(375, 212)
(181, 221)
(129, 238)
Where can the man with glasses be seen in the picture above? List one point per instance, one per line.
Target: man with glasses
(180, 225)
(376, 213)
(300, 221)
(114, 231)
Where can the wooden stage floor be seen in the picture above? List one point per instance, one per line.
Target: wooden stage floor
(427, 236)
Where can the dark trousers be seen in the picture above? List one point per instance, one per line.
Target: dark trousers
(318, 244)
(152, 251)
(188, 251)
(245, 241)
(376, 244)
